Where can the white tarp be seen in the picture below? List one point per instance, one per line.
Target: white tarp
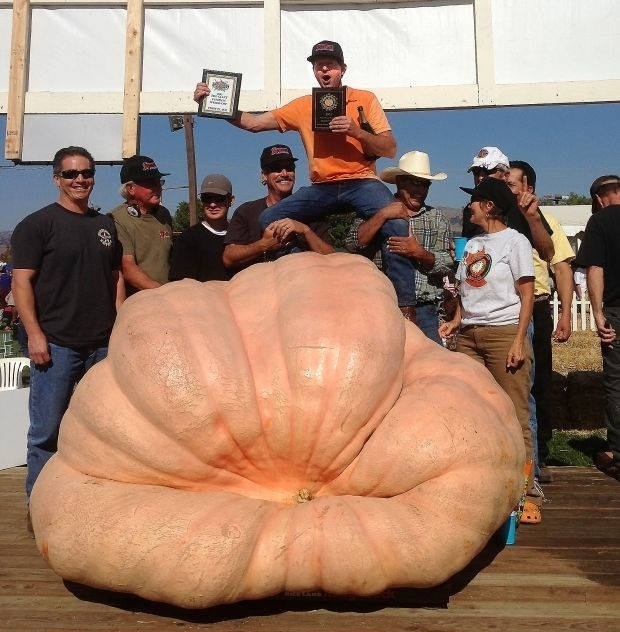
(413, 54)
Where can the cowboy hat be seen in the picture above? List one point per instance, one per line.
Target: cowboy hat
(413, 163)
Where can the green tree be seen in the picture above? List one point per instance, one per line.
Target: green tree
(339, 225)
(576, 199)
(180, 221)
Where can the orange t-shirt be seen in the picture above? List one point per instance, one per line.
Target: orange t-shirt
(333, 157)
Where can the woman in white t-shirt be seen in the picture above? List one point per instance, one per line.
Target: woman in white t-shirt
(496, 294)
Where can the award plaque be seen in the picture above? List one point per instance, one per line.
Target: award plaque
(223, 100)
(327, 103)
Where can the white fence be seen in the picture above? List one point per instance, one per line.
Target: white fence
(581, 316)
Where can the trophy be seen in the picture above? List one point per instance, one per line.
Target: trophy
(223, 99)
(327, 103)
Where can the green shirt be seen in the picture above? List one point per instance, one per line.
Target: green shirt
(148, 238)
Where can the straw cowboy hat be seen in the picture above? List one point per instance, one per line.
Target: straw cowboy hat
(413, 163)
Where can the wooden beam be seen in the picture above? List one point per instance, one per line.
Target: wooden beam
(133, 77)
(20, 47)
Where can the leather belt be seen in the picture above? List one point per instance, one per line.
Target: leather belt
(539, 298)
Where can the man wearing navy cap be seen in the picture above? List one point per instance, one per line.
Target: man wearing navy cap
(247, 243)
(144, 226)
(341, 161)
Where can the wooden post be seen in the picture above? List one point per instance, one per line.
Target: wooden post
(20, 47)
(188, 126)
(133, 77)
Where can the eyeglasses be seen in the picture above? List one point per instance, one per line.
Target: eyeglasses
(213, 198)
(72, 174)
(279, 166)
(153, 183)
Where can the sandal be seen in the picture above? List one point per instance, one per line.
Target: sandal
(605, 462)
(531, 513)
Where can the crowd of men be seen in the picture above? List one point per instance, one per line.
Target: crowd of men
(74, 266)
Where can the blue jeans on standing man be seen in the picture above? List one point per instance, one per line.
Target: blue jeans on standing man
(366, 196)
(51, 387)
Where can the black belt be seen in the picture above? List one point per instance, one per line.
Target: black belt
(539, 298)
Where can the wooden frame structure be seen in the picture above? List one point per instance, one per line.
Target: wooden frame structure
(485, 18)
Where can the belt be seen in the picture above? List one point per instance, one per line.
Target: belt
(539, 298)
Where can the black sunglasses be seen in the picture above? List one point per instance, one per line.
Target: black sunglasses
(72, 174)
(279, 166)
(209, 198)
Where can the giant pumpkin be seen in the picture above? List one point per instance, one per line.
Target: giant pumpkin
(284, 431)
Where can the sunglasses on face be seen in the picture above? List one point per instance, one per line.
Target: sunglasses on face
(213, 198)
(280, 166)
(72, 174)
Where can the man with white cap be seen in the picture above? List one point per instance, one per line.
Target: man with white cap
(197, 252)
(524, 216)
(429, 242)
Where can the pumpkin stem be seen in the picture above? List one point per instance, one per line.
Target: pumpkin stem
(303, 495)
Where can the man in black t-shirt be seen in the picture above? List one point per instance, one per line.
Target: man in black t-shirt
(66, 286)
(246, 243)
(197, 252)
(599, 254)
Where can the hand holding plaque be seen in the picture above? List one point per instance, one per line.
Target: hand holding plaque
(223, 98)
(327, 103)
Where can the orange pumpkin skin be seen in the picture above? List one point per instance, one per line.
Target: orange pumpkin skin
(186, 456)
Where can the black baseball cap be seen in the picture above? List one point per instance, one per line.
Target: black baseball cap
(325, 48)
(497, 191)
(597, 185)
(274, 154)
(138, 168)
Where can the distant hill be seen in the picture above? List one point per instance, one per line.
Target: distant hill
(5, 240)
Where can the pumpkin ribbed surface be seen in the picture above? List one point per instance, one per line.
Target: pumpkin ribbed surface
(284, 431)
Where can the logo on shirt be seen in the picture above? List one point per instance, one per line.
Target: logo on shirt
(477, 266)
(164, 233)
(104, 237)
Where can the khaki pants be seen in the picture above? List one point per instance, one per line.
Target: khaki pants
(489, 345)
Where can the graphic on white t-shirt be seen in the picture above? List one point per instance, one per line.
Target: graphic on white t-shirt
(477, 266)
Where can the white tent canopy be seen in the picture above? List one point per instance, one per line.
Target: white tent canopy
(110, 61)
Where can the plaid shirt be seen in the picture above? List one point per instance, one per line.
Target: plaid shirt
(432, 229)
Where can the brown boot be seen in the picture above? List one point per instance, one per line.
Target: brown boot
(409, 313)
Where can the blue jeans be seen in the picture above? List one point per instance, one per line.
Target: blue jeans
(366, 196)
(532, 405)
(51, 387)
(426, 315)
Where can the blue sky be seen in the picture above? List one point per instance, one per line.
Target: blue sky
(569, 146)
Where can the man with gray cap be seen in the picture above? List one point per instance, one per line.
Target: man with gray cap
(247, 243)
(599, 254)
(144, 226)
(197, 253)
(341, 159)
